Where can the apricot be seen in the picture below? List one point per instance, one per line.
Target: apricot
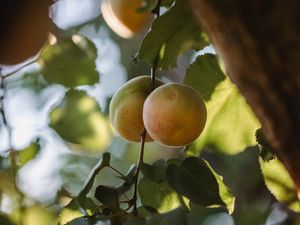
(24, 29)
(126, 108)
(122, 17)
(174, 115)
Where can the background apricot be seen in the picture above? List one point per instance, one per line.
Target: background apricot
(126, 108)
(24, 29)
(122, 17)
(174, 115)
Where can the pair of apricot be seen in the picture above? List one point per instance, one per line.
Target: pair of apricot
(173, 114)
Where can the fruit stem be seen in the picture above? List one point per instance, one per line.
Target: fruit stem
(138, 168)
(156, 11)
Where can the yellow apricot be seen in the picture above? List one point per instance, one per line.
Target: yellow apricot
(126, 108)
(174, 115)
(122, 17)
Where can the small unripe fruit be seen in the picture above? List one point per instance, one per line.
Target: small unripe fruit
(126, 108)
(174, 115)
(122, 17)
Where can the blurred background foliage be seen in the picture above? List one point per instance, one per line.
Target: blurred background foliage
(57, 127)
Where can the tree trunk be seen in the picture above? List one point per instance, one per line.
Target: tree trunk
(259, 42)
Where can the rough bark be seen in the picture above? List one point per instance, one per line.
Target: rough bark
(259, 42)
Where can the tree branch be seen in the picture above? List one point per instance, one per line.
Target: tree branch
(259, 42)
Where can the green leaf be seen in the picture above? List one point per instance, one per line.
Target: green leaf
(136, 221)
(155, 172)
(70, 64)
(230, 125)
(160, 196)
(28, 153)
(280, 184)
(69, 212)
(224, 191)
(87, 221)
(108, 196)
(74, 210)
(146, 210)
(194, 179)
(81, 203)
(175, 217)
(204, 75)
(78, 120)
(4, 220)
(104, 162)
(171, 34)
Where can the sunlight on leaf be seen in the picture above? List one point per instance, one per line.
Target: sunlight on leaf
(196, 180)
(28, 153)
(224, 191)
(88, 221)
(70, 64)
(159, 196)
(37, 215)
(204, 74)
(69, 212)
(78, 120)
(231, 124)
(280, 184)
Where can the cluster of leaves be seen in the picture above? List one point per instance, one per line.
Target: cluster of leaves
(167, 187)
(71, 64)
(231, 124)
(166, 190)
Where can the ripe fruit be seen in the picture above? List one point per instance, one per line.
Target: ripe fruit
(24, 29)
(174, 115)
(122, 17)
(126, 108)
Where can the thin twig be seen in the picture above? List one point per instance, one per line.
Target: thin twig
(126, 197)
(117, 171)
(2, 88)
(20, 68)
(138, 168)
(156, 11)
